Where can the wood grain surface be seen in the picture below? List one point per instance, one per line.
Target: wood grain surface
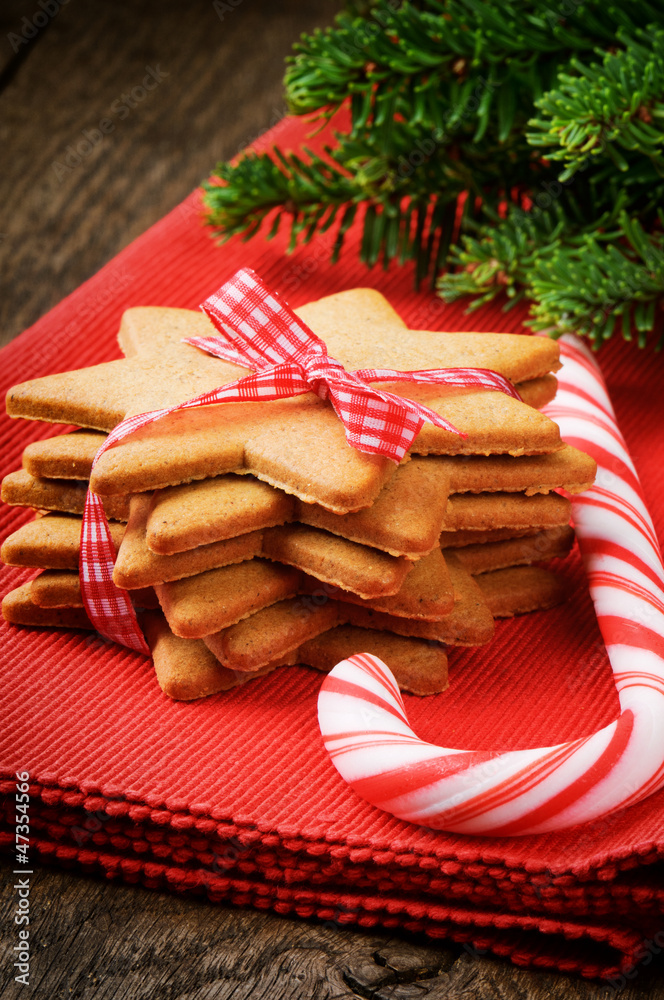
(115, 942)
(64, 211)
(216, 85)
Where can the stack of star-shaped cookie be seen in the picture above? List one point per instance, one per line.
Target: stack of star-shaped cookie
(263, 538)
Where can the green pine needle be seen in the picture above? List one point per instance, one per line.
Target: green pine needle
(546, 125)
(617, 104)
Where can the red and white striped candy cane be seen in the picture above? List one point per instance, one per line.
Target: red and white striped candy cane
(362, 716)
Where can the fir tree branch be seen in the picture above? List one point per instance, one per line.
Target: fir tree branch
(313, 193)
(499, 260)
(409, 191)
(406, 59)
(440, 92)
(588, 289)
(618, 103)
(256, 185)
(579, 281)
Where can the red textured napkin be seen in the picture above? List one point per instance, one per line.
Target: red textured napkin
(234, 795)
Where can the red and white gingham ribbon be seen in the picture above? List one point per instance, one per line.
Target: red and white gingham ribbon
(362, 715)
(259, 331)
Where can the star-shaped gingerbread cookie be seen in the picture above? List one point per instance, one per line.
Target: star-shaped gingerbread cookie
(296, 444)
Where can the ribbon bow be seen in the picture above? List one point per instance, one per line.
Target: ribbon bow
(263, 333)
(259, 331)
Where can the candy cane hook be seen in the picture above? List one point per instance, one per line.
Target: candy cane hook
(362, 715)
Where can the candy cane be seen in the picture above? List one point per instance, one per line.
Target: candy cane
(362, 715)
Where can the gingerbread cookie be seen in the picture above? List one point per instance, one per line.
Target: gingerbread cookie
(137, 566)
(50, 542)
(357, 568)
(185, 668)
(20, 489)
(272, 633)
(418, 666)
(61, 588)
(515, 591)
(548, 544)
(288, 444)
(516, 511)
(18, 608)
(208, 602)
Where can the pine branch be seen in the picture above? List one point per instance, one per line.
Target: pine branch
(413, 190)
(404, 61)
(313, 194)
(256, 185)
(500, 259)
(579, 281)
(440, 92)
(413, 66)
(619, 103)
(589, 288)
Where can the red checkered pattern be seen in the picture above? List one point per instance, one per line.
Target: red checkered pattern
(261, 330)
(108, 607)
(288, 360)
(259, 325)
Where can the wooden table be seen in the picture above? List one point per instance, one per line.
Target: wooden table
(217, 86)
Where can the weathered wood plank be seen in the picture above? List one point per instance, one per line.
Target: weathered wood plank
(221, 87)
(72, 196)
(116, 942)
(22, 25)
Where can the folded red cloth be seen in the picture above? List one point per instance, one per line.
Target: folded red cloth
(234, 795)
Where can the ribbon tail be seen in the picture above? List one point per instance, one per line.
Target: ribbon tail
(380, 422)
(375, 422)
(226, 352)
(427, 414)
(462, 378)
(108, 607)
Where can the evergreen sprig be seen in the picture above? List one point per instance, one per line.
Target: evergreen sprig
(403, 220)
(407, 57)
(606, 106)
(584, 283)
(589, 288)
(518, 142)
